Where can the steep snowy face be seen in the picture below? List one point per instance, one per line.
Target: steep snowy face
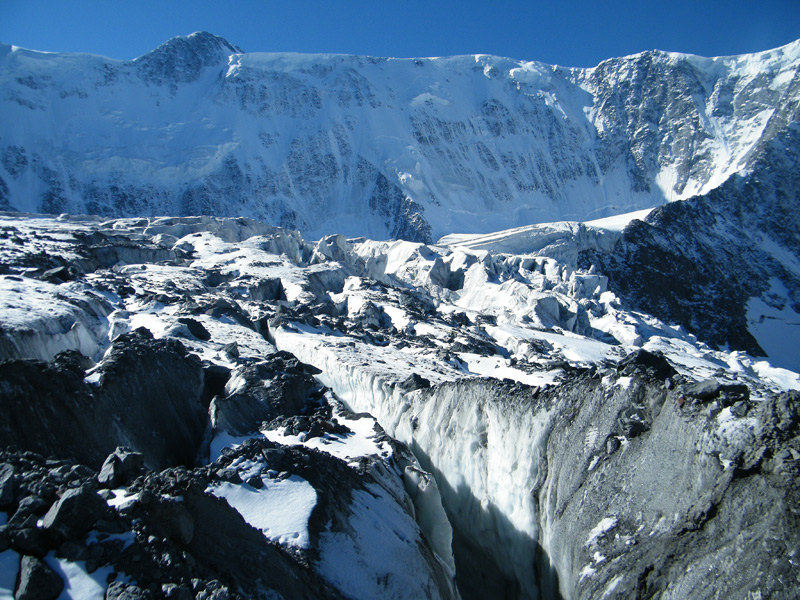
(689, 122)
(385, 148)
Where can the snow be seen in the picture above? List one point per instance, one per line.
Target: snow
(500, 368)
(78, 583)
(9, 567)
(464, 136)
(604, 526)
(221, 440)
(280, 509)
(361, 442)
(121, 498)
(776, 327)
(373, 560)
(49, 318)
(618, 222)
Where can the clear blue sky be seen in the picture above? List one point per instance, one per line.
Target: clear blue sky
(570, 33)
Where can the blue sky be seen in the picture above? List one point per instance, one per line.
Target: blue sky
(570, 33)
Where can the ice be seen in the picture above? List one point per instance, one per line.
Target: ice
(280, 509)
(47, 319)
(373, 560)
(79, 584)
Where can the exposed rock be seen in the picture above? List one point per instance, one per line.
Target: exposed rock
(120, 467)
(6, 485)
(75, 513)
(53, 411)
(195, 328)
(37, 581)
(277, 386)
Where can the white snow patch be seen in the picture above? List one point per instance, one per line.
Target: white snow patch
(599, 530)
(776, 327)
(624, 382)
(224, 440)
(361, 442)
(619, 222)
(280, 510)
(121, 498)
(587, 571)
(78, 583)
(612, 585)
(375, 559)
(500, 368)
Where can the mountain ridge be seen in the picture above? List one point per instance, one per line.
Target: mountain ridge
(411, 148)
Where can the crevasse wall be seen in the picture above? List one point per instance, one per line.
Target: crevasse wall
(486, 454)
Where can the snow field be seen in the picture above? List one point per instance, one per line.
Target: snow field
(280, 509)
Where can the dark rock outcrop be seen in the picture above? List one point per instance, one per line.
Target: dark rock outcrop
(279, 386)
(37, 581)
(148, 397)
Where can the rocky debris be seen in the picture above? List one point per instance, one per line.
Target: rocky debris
(279, 386)
(169, 539)
(711, 389)
(75, 513)
(737, 487)
(6, 485)
(597, 476)
(654, 365)
(414, 382)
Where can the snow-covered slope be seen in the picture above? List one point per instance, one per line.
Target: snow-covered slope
(385, 148)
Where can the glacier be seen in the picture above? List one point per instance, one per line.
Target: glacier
(460, 420)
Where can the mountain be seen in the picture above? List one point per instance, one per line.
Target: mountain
(385, 148)
(586, 388)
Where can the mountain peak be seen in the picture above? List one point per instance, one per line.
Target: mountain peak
(182, 58)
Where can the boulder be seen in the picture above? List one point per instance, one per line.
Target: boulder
(75, 513)
(6, 485)
(37, 581)
(120, 467)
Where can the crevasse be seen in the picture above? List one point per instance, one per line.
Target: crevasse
(486, 453)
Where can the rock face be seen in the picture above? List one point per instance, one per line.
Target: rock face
(460, 144)
(703, 263)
